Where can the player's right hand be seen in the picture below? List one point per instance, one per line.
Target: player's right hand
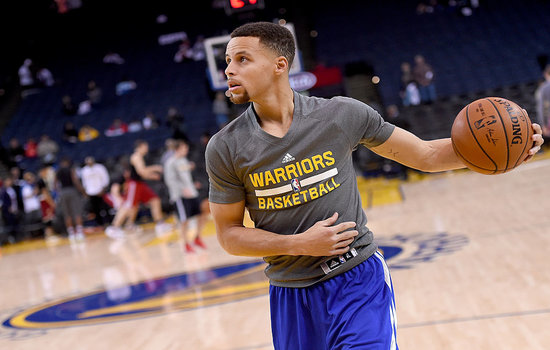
(325, 238)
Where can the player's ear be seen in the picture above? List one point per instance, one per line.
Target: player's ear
(281, 64)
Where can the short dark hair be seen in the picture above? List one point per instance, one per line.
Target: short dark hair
(139, 142)
(273, 36)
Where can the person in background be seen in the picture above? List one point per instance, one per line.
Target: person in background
(117, 128)
(10, 210)
(47, 149)
(67, 106)
(31, 201)
(47, 205)
(16, 152)
(138, 192)
(87, 133)
(70, 199)
(31, 148)
(542, 98)
(183, 194)
(70, 134)
(94, 93)
(220, 109)
(95, 180)
(424, 75)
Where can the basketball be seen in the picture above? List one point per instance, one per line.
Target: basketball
(492, 135)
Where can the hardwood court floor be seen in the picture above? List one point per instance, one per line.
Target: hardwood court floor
(469, 256)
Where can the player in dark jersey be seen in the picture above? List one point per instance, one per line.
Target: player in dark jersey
(138, 192)
(287, 159)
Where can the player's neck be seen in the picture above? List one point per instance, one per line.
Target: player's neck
(275, 111)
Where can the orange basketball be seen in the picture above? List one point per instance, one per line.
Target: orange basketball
(492, 135)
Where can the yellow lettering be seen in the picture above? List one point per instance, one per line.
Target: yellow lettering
(303, 193)
(269, 178)
(296, 198)
(257, 179)
(291, 171)
(280, 174)
(322, 190)
(261, 202)
(299, 169)
(309, 167)
(313, 193)
(318, 162)
(286, 201)
(327, 155)
(278, 203)
(334, 183)
(270, 204)
(328, 186)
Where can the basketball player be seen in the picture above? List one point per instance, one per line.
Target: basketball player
(183, 193)
(287, 159)
(139, 192)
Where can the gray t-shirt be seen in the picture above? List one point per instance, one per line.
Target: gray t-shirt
(292, 182)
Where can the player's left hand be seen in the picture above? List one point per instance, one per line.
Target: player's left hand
(538, 140)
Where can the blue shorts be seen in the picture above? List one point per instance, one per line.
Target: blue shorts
(354, 310)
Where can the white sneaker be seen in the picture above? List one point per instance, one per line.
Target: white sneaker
(114, 232)
(80, 236)
(162, 229)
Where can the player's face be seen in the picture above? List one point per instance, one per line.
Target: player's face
(250, 67)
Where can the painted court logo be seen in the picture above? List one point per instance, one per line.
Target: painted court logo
(215, 286)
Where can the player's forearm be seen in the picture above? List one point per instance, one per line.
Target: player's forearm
(244, 241)
(440, 156)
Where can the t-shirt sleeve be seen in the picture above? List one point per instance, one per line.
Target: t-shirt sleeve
(225, 186)
(364, 125)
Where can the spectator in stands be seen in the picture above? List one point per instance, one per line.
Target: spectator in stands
(31, 201)
(87, 133)
(94, 93)
(67, 106)
(45, 77)
(16, 152)
(424, 75)
(198, 50)
(220, 109)
(31, 148)
(176, 121)
(135, 126)
(26, 79)
(183, 194)
(70, 199)
(113, 58)
(124, 86)
(95, 180)
(117, 128)
(10, 209)
(542, 97)
(70, 134)
(84, 107)
(47, 149)
(150, 121)
(409, 93)
(185, 52)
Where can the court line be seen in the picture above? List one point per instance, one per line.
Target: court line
(475, 318)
